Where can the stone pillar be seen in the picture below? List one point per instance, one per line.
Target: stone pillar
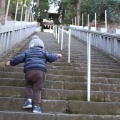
(2, 12)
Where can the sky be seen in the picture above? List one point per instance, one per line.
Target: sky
(54, 7)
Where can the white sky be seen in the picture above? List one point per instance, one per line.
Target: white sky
(53, 8)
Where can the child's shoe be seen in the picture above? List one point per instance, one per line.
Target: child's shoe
(36, 109)
(28, 104)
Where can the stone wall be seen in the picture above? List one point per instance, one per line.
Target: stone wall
(2, 12)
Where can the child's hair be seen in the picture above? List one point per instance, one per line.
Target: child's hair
(36, 41)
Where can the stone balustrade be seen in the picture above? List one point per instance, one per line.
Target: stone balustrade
(13, 33)
(109, 43)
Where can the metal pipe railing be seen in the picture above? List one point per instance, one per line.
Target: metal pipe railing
(88, 65)
(109, 43)
(69, 44)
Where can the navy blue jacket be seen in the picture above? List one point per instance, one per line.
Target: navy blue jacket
(34, 59)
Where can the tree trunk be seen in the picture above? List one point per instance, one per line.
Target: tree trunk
(38, 2)
(78, 12)
(2, 12)
(119, 14)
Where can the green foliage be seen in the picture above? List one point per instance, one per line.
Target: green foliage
(69, 1)
(99, 6)
(41, 10)
(69, 10)
(55, 2)
(12, 7)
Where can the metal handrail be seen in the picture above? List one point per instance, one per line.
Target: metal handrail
(90, 38)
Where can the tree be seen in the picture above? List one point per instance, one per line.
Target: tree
(68, 10)
(71, 8)
(40, 10)
(27, 4)
(99, 6)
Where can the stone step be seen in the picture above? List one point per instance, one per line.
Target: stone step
(65, 85)
(94, 86)
(82, 72)
(85, 64)
(105, 108)
(64, 68)
(75, 56)
(81, 69)
(48, 77)
(93, 62)
(81, 95)
(62, 94)
(105, 80)
(61, 73)
(16, 104)
(64, 78)
(12, 82)
(82, 64)
(87, 117)
(93, 74)
(18, 75)
(13, 115)
(56, 78)
(60, 65)
(21, 83)
(62, 106)
(49, 67)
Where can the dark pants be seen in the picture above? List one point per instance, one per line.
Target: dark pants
(34, 84)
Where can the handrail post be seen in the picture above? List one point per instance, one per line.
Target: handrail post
(62, 39)
(56, 31)
(69, 43)
(58, 35)
(88, 65)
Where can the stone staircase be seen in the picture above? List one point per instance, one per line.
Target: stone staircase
(64, 93)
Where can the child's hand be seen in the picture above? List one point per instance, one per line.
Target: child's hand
(59, 55)
(7, 63)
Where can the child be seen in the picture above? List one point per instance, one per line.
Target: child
(35, 67)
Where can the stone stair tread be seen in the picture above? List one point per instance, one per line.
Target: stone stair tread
(62, 94)
(101, 80)
(112, 108)
(60, 106)
(13, 115)
(95, 74)
(15, 104)
(74, 79)
(51, 65)
(68, 85)
(87, 117)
